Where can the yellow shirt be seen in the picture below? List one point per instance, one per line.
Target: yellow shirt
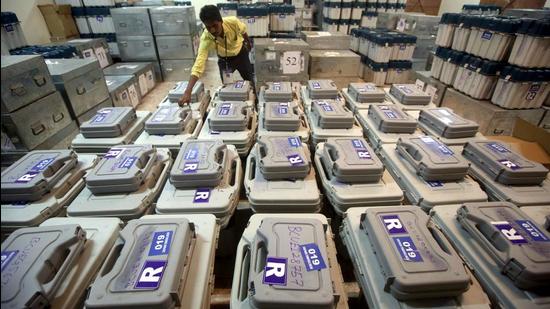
(233, 30)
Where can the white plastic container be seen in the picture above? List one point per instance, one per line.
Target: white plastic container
(399, 72)
(462, 33)
(403, 46)
(346, 11)
(380, 47)
(368, 19)
(531, 48)
(492, 37)
(450, 66)
(364, 42)
(374, 72)
(371, 7)
(343, 27)
(438, 61)
(256, 19)
(446, 29)
(354, 39)
(332, 10)
(330, 25)
(228, 9)
(521, 88)
(285, 22)
(476, 77)
(357, 10)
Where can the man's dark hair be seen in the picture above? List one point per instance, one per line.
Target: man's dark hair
(210, 13)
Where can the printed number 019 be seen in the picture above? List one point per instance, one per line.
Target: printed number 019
(160, 241)
(313, 255)
(408, 248)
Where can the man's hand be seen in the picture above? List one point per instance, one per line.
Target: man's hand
(185, 98)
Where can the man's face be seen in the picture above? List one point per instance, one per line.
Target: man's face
(214, 27)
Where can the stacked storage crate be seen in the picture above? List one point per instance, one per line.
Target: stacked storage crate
(256, 18)
(34, 114)
(304, 13)
(12, 33)
(282, 18)
(176, 39)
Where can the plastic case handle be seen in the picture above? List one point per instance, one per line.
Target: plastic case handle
(57, 165)
(151, 156)
(39, 80)
(331, 154)
(18, 90)
(409, 151)
(488, 234)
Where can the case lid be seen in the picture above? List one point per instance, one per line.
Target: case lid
(503, 164)
(481, 66)
(237, 91)
(8, 18)
(449, 18)
(442, 52)
(130, 10)
(199, 163)
(400, 64)
(122, 169)
(517, 74)
(35, 174)
(322, 89)
(392, 119)
(127, 68)
(518, 245)
(109, 122)
(500, 24)
(147, 267)
(415, 258)
(230, 116)
(35, 261)
(534, 27)
(366, 92)
(282, 116)
(283, 157)
(432, 159)
(282, 9)
(278, 92)
(227, 6)
(63, 70)
(119, 82)
(331, 114)
(296, 244)
(168, 119)
(252, 10)
(448, 124)
(409, 94)
(375, 66)
(177, 92)
(352, 160)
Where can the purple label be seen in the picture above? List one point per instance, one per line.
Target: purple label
(202, 195)
(363, 154)
(276, 86)
(99, 118)
(224, 109)
(509, 164)
(402, 46)
(113, 153)
(294, 142)
(150, 275)
(486, 35)
(327, 107)
(407, 249)
(239, 84)
(497, 147)
(312, 257)
(275, 271)
(192, 154)
(214, 132)
(127, 162)
(27, 177)
(295, 159)
(160, 244)
(532, 92)
(390, 114)
(357, 144)
(435, 183)
(190, 167)
(393, 224)
(436, 146)
(316, 85)
(282, 110)
(42, 165)
(7, 256)
(9, 28)
(532, 230)
(509, 232)
(406, 90)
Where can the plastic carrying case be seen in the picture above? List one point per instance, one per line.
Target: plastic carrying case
(199, 164)
(446, 123)
(366, 93)
(331, 114)
(392, 119)
(278, 92)
(179, 88)
(282, 116)
(322, 89)
(230, 116)
(109, 122)
(283, 157)
(522, 88)
(168, 120)
(238, 91)
(409, 94)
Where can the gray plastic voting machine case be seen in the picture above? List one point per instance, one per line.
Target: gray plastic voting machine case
(242, 140)
(238, 91)
(198, 287)
(282, 116)
(409, 94)
(109, 122)
(499, 287)
(432, 159)
(101, 234)
(376, 137)
(271, 239)
(366, 93)
(278, 92)
(199, 107)
(124, 90)
(351, 160)
(199, 164)
(283, 157)
(278, 122)
(168, 120)
(391, 119)
(230, 116)
(24, 214)
(35, 174)
(410, 256)
(319, 135)
(299, 195)
(515, 243)
(220, 199)
(147, 267)
(427, 194)
(342, 195)
(177, 92)
(129, 205)
(82, 144)
(503, 164)
(539, 214)
(373, 281)
(322, 89)
(447, 124)
(35, 261)
(122, 170)
(331, 114)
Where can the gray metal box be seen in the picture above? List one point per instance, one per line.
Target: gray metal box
(440, 87)
(36, 173)
(334, 63)
(432, 159)
(173, 20)
(131, 21)
(366, 93)
(124, 90)
(503, 164)
(283, 157)
(174, 47)
(281, 59)
(516, 244)
(392, 119)
(238, 91)
(326, 40)
(168, 120)
(351, 160)
(25, 79)
(230, 116)
(446, 123)
(142, 71)
(129, 262)
(322, 89)
(408, 94)
(330, 114)
(176, 70)
(282, 116)
(122, 170)
(35, 262)
(80, 81)
(137, 48)
(278, 92)
(33, 124)
(89, 47)
(177, 92)
(199, 163)
(109, 122)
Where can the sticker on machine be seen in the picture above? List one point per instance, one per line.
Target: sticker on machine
(150, 276)
(160, 243)
(102, 57)
(134, 97)
(313, 259)
(7, 256)
(407, 249)
(532, 230)
(291, 62)
(509, 232)
(275, 271)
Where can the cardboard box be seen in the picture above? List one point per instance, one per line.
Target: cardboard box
(59, 20)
